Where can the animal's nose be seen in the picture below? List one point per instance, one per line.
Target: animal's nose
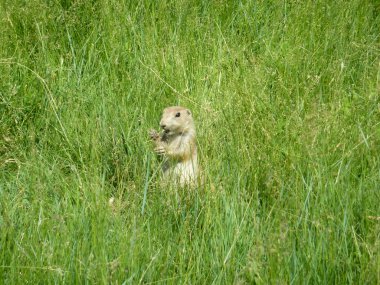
(163, 126)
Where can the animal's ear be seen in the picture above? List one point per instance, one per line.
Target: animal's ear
(188, 112)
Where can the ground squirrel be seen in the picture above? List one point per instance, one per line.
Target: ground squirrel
(177, 145)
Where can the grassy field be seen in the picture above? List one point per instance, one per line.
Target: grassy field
(285, 95)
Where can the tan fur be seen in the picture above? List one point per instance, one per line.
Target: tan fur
(177, 145)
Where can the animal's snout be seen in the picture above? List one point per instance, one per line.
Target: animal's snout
(163, 126)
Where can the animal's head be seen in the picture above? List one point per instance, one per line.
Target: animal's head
(176, 120)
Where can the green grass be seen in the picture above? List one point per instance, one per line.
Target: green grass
(287, 107)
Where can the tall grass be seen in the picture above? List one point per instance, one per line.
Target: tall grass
(287, 107)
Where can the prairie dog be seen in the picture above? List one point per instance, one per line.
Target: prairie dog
(177, 145)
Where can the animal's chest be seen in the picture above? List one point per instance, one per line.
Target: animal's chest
(176, 143)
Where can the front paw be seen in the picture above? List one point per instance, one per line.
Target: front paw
(153, 134)
(160, 150)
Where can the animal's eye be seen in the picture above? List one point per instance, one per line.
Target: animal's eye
(178, 114)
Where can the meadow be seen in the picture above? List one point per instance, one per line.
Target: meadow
(286, 99)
